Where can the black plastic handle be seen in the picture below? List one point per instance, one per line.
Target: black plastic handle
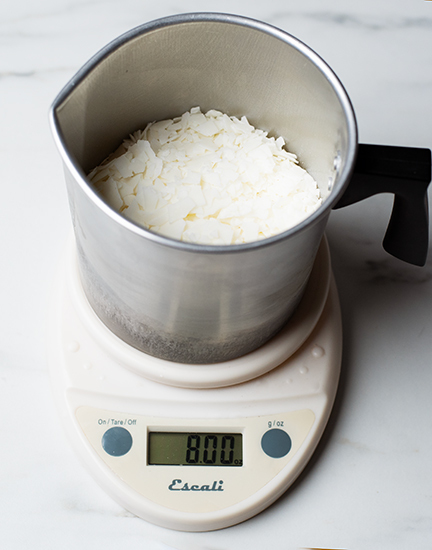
(406, 172)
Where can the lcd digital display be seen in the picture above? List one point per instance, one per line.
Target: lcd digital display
(195, 449)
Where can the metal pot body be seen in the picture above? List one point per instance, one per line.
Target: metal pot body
(178, 301)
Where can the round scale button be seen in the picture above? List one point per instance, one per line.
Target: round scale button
(117, 441)
(276, 443)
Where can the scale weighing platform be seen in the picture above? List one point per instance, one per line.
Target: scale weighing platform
(195, 447)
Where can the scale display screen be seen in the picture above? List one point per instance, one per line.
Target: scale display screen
(195, 449)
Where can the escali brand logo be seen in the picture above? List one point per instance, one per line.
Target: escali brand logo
(178, 485)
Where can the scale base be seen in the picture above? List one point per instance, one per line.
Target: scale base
(111, 397)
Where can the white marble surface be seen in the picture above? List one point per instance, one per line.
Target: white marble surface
(370, 483)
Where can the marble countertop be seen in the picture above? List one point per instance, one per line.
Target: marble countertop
(369, 484)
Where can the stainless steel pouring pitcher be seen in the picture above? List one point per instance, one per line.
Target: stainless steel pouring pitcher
(205, 304)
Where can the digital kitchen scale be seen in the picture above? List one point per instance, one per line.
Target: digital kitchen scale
(195, 447)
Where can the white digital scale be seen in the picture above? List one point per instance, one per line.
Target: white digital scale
(195, 447)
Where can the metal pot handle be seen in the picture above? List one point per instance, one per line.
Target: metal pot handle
(406, 172)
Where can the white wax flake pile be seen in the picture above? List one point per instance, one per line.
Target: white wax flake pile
(207, 179)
